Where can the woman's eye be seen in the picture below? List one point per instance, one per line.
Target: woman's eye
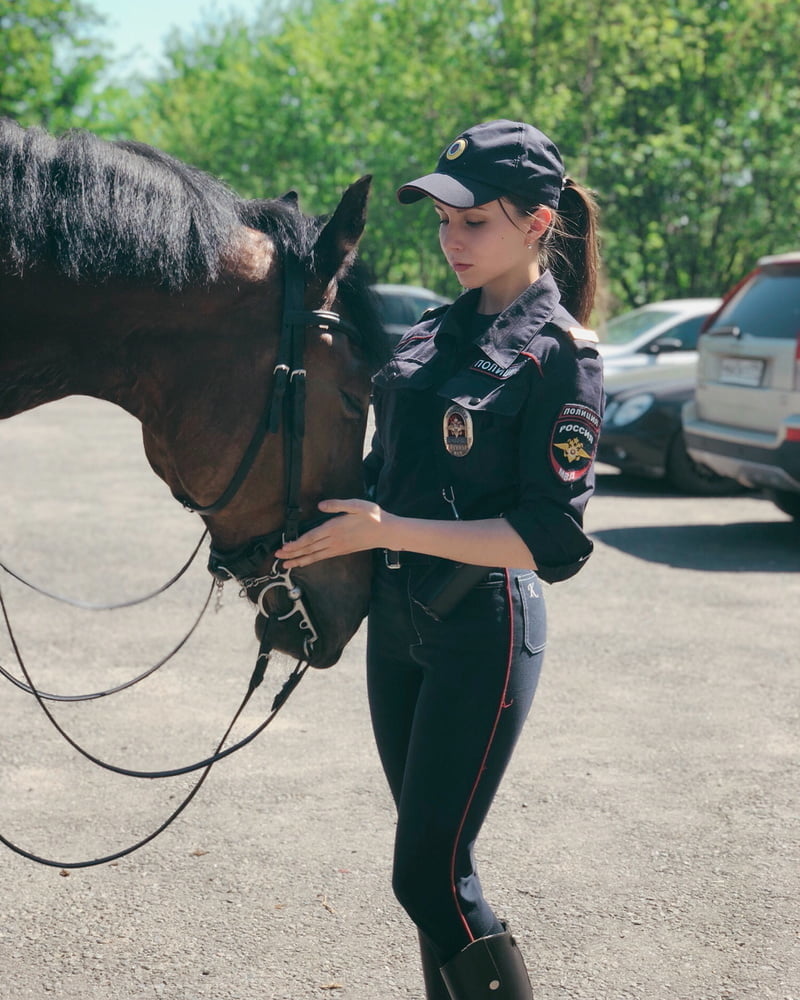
(474, 224)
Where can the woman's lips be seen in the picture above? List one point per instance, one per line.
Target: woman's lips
(459, 268)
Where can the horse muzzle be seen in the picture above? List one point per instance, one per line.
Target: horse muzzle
(287, 591)
(296, 612)
(286, 621)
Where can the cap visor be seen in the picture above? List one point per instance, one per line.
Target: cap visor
(458, 192)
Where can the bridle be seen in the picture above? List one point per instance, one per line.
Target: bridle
(285, 407)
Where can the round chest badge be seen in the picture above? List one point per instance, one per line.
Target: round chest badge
(457, 430)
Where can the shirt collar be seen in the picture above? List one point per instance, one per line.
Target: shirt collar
(513, 329)
(454, 329)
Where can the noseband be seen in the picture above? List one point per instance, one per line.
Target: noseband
(285, 406)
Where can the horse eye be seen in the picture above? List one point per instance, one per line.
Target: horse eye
(353, 404)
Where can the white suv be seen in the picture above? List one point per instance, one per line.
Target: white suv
(744, 421)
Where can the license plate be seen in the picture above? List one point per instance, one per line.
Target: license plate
(741, 371)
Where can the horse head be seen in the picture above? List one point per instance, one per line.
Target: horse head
(297, 434)
(130, 276)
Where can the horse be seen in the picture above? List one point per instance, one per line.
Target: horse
(241, 334)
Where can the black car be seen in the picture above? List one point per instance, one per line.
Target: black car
(642, 435)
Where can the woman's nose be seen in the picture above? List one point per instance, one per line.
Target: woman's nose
(450, 238)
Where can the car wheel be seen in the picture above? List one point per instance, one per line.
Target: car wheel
(786, 501)
(691, 477)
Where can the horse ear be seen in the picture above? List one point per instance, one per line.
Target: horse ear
(337, 242)
(291, 198)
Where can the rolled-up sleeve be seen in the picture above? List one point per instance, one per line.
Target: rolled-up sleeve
(560, 427)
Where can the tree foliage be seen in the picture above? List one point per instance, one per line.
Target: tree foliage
(684, 125)
(50, 63)
(682, 116)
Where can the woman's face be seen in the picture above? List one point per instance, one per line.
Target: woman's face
(488, 247)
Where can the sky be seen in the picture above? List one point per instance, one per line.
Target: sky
(137, 27)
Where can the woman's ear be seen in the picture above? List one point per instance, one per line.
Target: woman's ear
(538, 223)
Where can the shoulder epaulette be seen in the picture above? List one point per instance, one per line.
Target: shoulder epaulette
(581, 333)
(569, 326)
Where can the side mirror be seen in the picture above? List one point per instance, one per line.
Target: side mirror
(665, 345)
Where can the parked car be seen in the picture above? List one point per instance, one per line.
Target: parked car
(745, 419)
(400, 306)
(642, 435)
(654, 341)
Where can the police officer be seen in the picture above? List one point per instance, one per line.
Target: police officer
(487, 419)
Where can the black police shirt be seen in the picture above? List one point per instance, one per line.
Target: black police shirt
(500, 414)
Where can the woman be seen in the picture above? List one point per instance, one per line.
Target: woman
(487, 419)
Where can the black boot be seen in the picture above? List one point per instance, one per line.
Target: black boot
(490, 968)
(435, 988)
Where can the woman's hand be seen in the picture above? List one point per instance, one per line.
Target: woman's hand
(361, 525)
(364, 525)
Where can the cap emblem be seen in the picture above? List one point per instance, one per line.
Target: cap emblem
(457, 430)
(456, 149)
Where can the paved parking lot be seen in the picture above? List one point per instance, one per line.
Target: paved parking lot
(645, 843)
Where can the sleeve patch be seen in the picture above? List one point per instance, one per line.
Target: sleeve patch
(573, 443)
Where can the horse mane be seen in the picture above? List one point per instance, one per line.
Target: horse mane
(94, 210)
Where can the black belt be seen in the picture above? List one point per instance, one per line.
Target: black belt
(396, 560)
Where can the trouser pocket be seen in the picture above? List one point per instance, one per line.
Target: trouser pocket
(534, 620)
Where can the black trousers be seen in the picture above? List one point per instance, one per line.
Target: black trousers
(448, 701)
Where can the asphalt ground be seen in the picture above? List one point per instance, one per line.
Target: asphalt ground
(644, 844)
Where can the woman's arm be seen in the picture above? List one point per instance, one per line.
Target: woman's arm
(364, 525)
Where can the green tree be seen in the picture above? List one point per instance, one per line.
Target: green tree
(50, 63)
(328, 92)
(681, 116)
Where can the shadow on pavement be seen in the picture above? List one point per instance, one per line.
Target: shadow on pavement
(748, 547)
(618, 484)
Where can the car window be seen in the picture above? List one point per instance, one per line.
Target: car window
(767, 306)
(623, 328)
(419, 305)
(687, 332)
(395, 309)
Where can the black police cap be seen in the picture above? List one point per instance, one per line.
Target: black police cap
(490, 160)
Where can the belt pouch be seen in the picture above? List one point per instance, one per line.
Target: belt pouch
(444, 585)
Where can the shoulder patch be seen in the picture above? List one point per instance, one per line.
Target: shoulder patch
(573, 442)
